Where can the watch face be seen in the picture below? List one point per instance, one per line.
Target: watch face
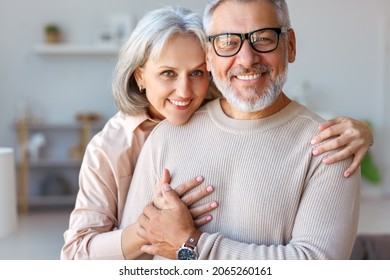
(186, 253)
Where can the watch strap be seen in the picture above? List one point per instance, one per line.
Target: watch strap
(193, 239)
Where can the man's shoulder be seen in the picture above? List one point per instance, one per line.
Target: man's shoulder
(208, 106)
(306, 114)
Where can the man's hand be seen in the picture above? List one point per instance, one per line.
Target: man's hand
(168, 228)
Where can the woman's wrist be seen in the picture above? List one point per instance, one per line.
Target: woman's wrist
(131, 242)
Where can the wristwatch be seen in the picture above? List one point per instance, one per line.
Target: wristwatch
(188, 250)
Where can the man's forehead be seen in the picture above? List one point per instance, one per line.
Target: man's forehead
(243, 17)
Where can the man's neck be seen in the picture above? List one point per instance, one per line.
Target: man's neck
(281, 102)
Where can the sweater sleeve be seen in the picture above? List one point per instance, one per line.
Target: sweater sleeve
(325, 225)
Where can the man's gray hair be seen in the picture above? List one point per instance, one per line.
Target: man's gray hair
(147, 42)
(280, 7)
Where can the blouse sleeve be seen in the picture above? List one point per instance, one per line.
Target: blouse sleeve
(92, 230)
(104, 181)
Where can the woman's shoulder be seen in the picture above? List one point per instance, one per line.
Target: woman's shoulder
(118, 130)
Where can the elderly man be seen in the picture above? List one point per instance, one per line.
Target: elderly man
(277, 201)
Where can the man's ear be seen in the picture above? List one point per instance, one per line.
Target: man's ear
(208, 57)
(292, 48)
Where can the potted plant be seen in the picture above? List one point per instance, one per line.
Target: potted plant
(52, 33)
(369, 169)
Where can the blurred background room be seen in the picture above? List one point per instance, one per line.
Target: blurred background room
(56, 62)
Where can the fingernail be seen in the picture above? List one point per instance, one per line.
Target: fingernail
(315, 152)
(167, 187)
(199, 179)
(347, 173)
(213, 205)
(209, 189)
(209, 218)
(313, 141)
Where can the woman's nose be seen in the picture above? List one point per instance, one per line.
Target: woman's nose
(184, 87)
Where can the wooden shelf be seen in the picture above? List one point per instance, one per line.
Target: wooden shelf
(52, 127)
(54, 163)
(52, 200)
(61, 127)
(48, 174)
(76, 49)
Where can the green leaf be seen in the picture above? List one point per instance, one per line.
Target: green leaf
(369, 169)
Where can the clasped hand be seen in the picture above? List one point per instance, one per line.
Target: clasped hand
(167, 222)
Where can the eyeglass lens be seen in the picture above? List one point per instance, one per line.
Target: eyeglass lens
(262, 41)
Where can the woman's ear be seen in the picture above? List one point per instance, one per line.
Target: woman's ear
(138, 75)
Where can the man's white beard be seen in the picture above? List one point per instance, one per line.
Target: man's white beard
(258, 100)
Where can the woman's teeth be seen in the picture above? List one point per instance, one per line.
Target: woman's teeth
(180, 103)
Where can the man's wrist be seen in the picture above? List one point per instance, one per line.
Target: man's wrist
(193, 238)
(188, 251)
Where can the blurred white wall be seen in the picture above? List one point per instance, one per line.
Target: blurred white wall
(342, 57)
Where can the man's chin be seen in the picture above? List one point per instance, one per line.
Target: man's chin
(252, 104)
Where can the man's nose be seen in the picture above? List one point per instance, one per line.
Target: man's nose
(247, 56)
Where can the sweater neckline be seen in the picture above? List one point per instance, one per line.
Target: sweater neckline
(285, 115)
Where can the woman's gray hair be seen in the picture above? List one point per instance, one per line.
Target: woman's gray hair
(280, 7)
(147, 42)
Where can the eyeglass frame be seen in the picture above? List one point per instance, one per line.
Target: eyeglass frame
(243, 36)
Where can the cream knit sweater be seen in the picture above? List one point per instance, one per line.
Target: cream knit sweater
(276, 200)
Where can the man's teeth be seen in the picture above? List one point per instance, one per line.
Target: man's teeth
(248, 77)
(179, 103)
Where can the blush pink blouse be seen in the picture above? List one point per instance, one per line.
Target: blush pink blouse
(104, 181)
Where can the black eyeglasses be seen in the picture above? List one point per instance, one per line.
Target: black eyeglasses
(261, 40)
